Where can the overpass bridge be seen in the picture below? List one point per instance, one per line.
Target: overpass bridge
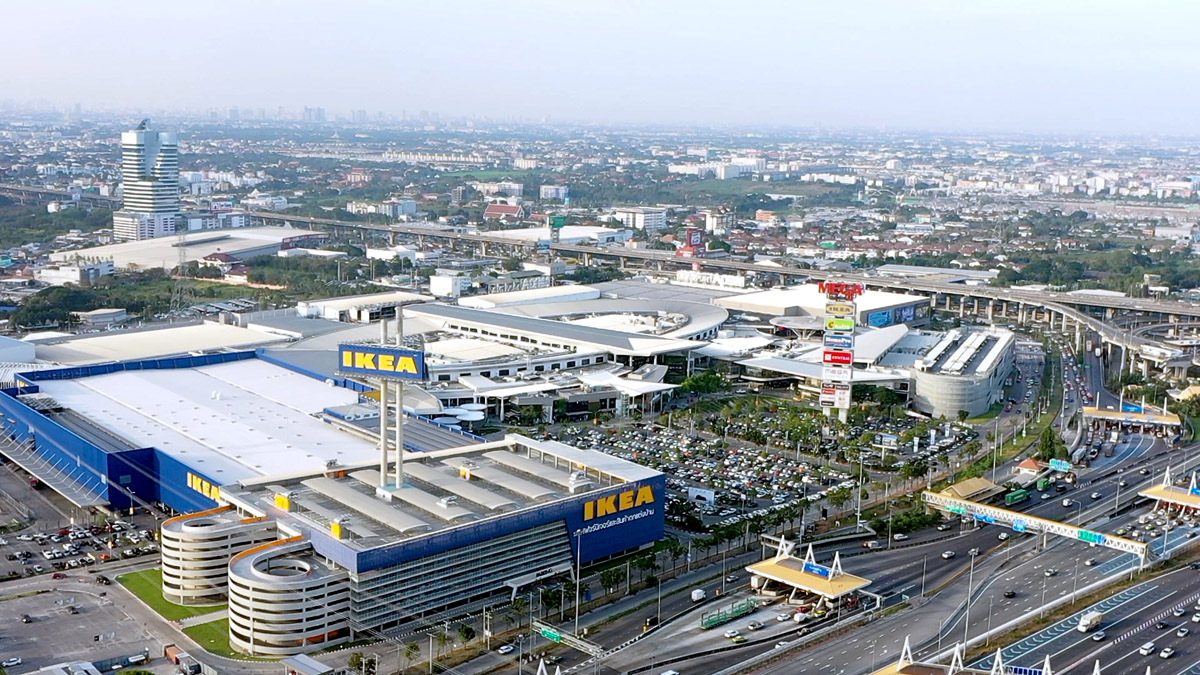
(32, 194)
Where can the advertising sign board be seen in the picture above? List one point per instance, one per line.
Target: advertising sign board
(838, 357)
(837, 324)
(839, 341)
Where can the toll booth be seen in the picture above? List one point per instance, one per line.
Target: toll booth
(800, 577)
(1184, 500)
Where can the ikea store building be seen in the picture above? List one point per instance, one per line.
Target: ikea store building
(286, 515)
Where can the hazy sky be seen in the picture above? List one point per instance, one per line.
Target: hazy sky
(1042, 65)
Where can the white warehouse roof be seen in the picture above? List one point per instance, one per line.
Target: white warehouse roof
(808, 299)
(230, 421)
(533, 295)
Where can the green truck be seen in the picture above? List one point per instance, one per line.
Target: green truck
(1043, 484)
(1016, 497)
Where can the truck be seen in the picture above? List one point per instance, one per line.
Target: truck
(1043, 484)
(698, 595)
(1016, 497)
(1090, 620)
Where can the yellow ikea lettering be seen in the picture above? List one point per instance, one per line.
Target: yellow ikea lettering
(347, 359)
(644, 496)
(606, 505)
(623, 501)
(406, 364)
(364, 361)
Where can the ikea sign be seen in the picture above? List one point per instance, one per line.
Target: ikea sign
(624, 501)
(385, 362)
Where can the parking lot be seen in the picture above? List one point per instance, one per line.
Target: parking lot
(75, 621)
(72, 549)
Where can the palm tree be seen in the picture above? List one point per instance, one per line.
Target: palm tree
(411, 652)
(443, 639)
(520, 606)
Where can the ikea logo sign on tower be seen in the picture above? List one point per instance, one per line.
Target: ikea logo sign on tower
(622, 501)
(386, 362)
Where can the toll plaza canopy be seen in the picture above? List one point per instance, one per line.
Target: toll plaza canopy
(1168, 492)
(805, 574)
(1123, 417)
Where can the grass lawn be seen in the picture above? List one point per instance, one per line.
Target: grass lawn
(147, 585)
(214, 637)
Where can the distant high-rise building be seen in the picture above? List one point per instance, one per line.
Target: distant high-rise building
(314, 114)
(234, 114)
(150, 184)
(358, 116)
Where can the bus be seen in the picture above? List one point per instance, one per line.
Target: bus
(1016, 497)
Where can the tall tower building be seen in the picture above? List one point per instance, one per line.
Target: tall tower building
(150, 184)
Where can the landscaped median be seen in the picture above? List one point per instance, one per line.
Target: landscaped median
(147, 586)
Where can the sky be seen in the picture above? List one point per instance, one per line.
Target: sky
(1092, 66)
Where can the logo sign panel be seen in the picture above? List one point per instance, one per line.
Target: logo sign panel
(839, 290)
(1018, 525)
(1060, 465)
(838, 358)
(839, 341)
(390, 363)
(839, 309)
(837, 324)
(836, 373)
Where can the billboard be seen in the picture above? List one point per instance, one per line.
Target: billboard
(838, 358)
(392, 363)
(922, 311)
(889, 440)
(696, 494)
(880, 319)
(836, 325)
(906, 314)
(695, 237)
(839, 341)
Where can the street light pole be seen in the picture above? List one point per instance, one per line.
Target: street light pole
(924, 564)
(967, 618)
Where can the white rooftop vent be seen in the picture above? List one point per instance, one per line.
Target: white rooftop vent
(578, 477)
(446, 501)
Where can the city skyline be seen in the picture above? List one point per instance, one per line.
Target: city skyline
(1090, 68)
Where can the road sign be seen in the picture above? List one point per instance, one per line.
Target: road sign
(1018, 525)
(960, 510)
(1060, 465)
(836, 324)
(839, 341)
(984, 518)
(551, 634)
(839, 309)
(839, 358)
(1091, 537)
(555, 635)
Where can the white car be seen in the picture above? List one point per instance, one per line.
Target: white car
(9, 663)
(731, 633)
(506, 649)
(784, 616)
(948, 555)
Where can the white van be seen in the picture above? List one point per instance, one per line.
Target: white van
(1147, 649)
(669, 672)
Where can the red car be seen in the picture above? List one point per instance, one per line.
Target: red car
(58, 575)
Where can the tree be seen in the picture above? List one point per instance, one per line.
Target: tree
(443, 639)
(963, 415)
(839, 496)
(411, 652)
(356, 662)
(520, 606)
(708, 382)
(611, 578)
(466, 632)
